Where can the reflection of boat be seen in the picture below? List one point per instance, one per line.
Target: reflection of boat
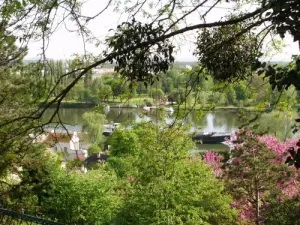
(109, 128)
(211, 137)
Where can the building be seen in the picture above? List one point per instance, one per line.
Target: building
(68, 146)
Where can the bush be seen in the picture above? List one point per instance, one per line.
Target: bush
(94, 148)
(286, 213)
(147, 103)
(162, 185)
(77, 198)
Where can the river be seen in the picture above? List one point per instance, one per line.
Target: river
(219, 121)
(222, 121)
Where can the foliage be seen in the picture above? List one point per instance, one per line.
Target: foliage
(275, 123)
(294, 158)
(123, 143)
(214, 161)
(17, 99)
(93, 124)
(142, 52)
(117, 86)
(231, 96)
(94, 148)
(74, 164)
(156, 93)
(105, 92)
(164, 186)
(136, 59)
(27, 187)
(227, 52)
(281, 77)
(83, 198)
(10, 53)
(285, 16)
(241, 91)
(284, 213)
(257, 174)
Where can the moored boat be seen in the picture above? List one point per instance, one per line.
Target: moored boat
(211, 137)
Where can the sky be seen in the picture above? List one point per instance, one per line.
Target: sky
(64, 44)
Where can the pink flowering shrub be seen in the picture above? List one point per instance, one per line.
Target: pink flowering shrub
(289, 188)
(213, 159)
(277, 146)
(288, 185)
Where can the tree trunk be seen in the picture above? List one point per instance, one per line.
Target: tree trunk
(257, 205)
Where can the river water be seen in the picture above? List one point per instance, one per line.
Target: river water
(219, 121)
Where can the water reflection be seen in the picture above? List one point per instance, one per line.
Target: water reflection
(277, 124)
(217, 121)
(217, 124)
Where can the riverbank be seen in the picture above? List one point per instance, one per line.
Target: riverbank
(85, 105)
(137, 103)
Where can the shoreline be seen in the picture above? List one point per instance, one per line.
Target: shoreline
(131, 106)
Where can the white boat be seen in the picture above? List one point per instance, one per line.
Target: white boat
(111, 126)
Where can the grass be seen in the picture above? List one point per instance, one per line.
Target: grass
(136, 100)
(140, 100)
(209, 108)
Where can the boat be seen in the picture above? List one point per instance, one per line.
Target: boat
(109, 128)
(211, 137)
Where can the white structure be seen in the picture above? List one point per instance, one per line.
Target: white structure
(70, 147)
(74, 142)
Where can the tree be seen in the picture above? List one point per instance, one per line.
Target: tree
(77, 93)
(165, 186)
(117, 86)
(203, 97)
(25, 189)
(231, 96)
(227, 61)
(260, 89)
(93, 124)
(284, 213)
(254, 176)
(241, 92)
(157, 94)
(83, 198)
(104, 93)
(227, 48)
(276, 123)
(167, 85)
(20, 95)
(142, 51)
